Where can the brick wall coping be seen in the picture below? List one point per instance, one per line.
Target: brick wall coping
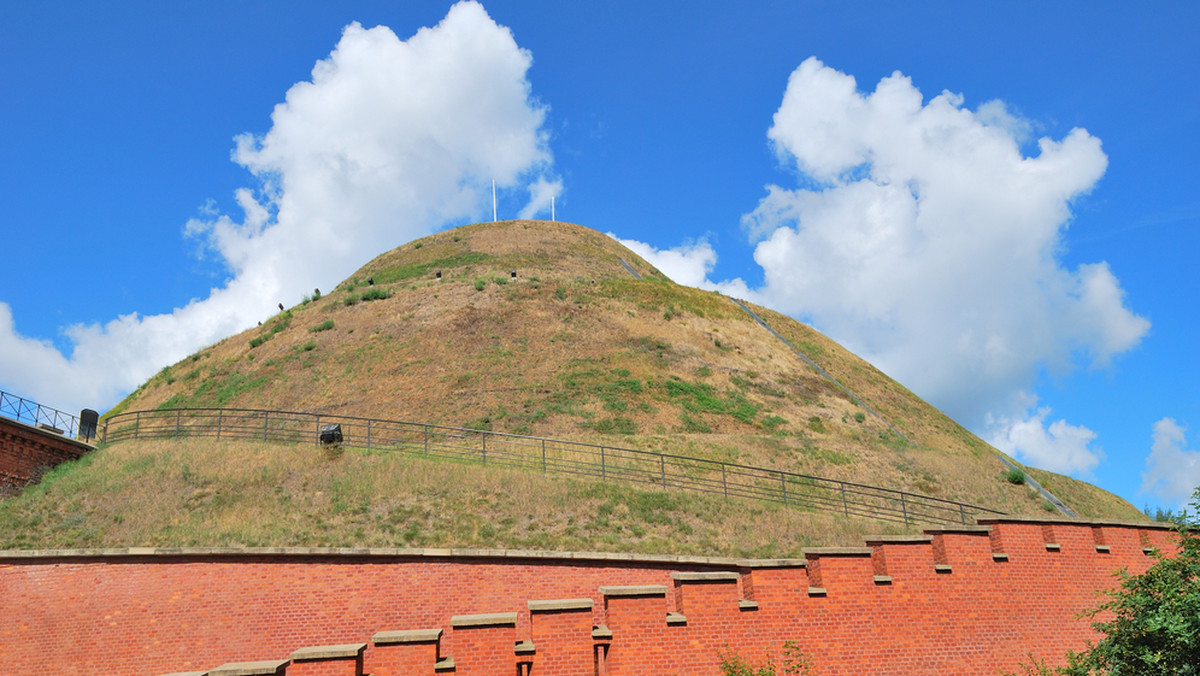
(325, 652)
(407, 636)
(187, 673)
(391, 553)
(774, 563)
(483, 620)
(838, 551)
(961, 530)
(635, 590)
(1058, 521)
(82, 445)
(704, 577)
(898, 539)
(249, 668)
(560, 604)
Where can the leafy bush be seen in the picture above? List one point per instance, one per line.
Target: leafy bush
(323, 326)
(1155, 627)
(795, 663)
(1015, 476)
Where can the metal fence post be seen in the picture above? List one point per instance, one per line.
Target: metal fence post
(603, 473)
(177, 414)
(662, 467)
(783, 482)
(845, 507)
(266, 418)
(105, 439)
(724, 483)
(483, 437)
(543, 456)
(904, 508)
(368, 433)
(426, 429)
(962, 513)
(137, 425)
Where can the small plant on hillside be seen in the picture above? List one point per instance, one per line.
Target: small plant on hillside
(479, 284)
(323, 326)
(1015, 476)
(376, 293)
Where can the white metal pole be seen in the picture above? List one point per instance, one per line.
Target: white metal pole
(552, 207)
(493, 200)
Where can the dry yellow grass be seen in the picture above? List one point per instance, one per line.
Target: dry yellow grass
(577, 348)
(192, 493)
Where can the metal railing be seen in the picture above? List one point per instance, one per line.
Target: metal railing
(32, 413)
(606, 463)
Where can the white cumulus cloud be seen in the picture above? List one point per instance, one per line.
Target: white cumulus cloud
(687, 264)
(390, 139)
(925, 240)
(1058, 447)
(1172, 470)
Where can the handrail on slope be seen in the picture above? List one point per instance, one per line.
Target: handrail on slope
(597, 461)
(29, 411)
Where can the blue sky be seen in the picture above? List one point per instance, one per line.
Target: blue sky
(996, 203)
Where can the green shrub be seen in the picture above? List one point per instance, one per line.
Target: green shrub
(376, 293)
(323, 326)
(1015, 477)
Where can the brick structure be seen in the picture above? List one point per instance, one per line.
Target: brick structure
(26, 452)
(969, 600)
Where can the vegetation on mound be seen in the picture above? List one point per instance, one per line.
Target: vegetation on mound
(575, 347)
(199, 492)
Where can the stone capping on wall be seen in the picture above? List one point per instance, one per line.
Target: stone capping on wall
(634, 590)
(351, 553)
(725, 563)
(326, 652)
(484, 620)
(264, 668)
(1051, 521)
(560, 605)
(83, 446)
(407, 636)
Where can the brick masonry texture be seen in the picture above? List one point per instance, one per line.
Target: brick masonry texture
(948, 605)
(26, 452)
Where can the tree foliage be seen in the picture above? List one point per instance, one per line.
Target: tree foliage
(1155, 627)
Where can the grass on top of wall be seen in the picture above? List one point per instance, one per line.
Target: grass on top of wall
(205, 493)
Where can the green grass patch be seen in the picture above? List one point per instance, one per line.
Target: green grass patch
(375, 293)
(406, 271)
(323, 326)
(703, 398)
(274, 326)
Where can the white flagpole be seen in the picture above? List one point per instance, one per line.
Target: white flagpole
(493, 200)
(552, 207)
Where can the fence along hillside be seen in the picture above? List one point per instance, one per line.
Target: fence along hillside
(595, 461)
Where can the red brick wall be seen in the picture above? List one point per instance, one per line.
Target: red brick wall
(885, 610)
(25, 452)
